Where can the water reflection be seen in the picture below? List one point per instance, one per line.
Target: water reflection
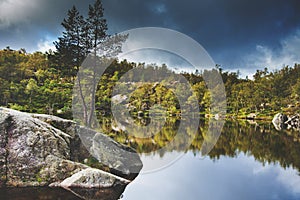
(37, 193)
(46, 193)
(242, 177)
(251, 160)
(259, 139)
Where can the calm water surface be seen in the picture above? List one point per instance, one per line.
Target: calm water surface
(249, 161)
(241, 177)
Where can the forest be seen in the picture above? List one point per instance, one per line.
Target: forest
(43, 82)
(34, 82)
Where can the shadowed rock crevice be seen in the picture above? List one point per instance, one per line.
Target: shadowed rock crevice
(78, 152)
(6, 122)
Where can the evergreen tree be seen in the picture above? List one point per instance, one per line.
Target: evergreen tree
(97, 24)
(70, 52)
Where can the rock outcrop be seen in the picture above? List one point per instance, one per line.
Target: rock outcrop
(122, 161)
(251, 116)
(293, 122)
(43, 150)
(26, 144)
(282, 121)
(91, 178)
(279, 121)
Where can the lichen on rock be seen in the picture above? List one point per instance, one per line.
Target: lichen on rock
(43, 150)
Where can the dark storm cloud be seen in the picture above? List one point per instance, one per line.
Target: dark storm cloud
(228, 29)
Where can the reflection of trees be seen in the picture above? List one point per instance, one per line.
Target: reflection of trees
(260, 141)
(159, 139)
(263, 142)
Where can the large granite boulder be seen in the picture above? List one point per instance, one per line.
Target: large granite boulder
(42, 150)
(91, 178)
(279, 121)
(122, 161)
(78, 151)
(26, 143)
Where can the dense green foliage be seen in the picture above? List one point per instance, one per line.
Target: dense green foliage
(30, 83)
(35, 83)
(43, 83)
(269, 92)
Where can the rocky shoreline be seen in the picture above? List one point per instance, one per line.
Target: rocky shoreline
(44, 150)
(282, 121)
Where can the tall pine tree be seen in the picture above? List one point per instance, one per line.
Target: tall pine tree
(70, 52)
(97, 24)
(83, 37)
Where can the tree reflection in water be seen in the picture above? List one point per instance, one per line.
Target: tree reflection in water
(259, 139)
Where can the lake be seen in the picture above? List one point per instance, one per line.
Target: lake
(250, 160)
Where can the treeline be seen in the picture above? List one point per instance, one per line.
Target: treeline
(268, 92)
(43, 82)
(30, 82)
(33, 82)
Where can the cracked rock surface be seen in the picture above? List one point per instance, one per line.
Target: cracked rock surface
(43, 150)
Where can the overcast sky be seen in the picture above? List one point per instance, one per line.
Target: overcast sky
(238, 34)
